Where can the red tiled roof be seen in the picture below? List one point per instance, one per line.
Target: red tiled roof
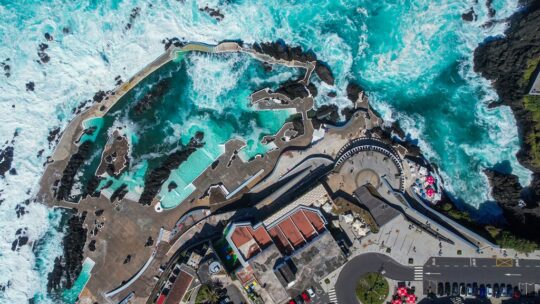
(315, 219)
(241, 236)
(179, 288)
(291, 232)
(303, 224)
(280, 240)
(261, 236)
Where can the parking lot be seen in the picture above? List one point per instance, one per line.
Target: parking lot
(480, 277)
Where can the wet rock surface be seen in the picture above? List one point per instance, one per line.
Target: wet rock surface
(519, 205)
(213, 12)
(6, 67)
(30, 86)
(119, 193)
(280, 50)
(68, 266)
(469, 15)
(294, 90)
(6, 155)
(353, 91)
(63, 191)
(135, 12)
(167, 42)
(324, 72)
(43, 56)
(504, 61)
(153, 96)
(155, 179)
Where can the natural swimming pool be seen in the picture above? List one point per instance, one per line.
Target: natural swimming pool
(199, 92)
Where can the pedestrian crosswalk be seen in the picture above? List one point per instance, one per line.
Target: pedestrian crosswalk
(418, 273)
(332, 295)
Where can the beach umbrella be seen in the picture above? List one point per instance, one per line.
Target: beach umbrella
(430, 192)
(430, 180)
(396, 301)
(402, 291)
(411, 299)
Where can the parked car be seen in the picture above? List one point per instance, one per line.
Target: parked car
(311, 292)
(462, 291)
(455, 289)
(469, 290)
(509, 290)
(496, 291)
(482, 291)
(305, 297)
(299, 299)
(292, 301)
(475, 289)
(447, 290)
(440, 289)
(489, 290)
(517, 293)
(503, 290)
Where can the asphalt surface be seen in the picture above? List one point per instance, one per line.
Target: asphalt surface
(362, 264)
(520, 273)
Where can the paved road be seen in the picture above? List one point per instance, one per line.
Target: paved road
(362, 264)
(482, 270)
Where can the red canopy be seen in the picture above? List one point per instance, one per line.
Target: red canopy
(411, 299)
(430, 192)
(396, 301)
(430, 179)
(402, 291)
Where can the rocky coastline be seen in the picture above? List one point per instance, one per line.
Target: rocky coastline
(508, 62)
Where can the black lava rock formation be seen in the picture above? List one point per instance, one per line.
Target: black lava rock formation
(469, 15)
(119, 193)
(280, 50)
(213, 12)
(30, 86)
(522, 220)
(68, 176)
(294, 90)
(153, 96)
(155, 179)
(353, 91)
(504, 61)
(68, 266)
(324, 73)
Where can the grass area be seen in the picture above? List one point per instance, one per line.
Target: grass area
(506, 239)
(532, 104)
(372, 289)
(531, 67)
(207, 295)
(455, 213)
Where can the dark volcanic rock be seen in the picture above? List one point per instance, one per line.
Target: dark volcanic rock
(135, 12)
(504, 61)
(69, 265)
(324, 73)
(6, 159)
(298, 125)
(293, 90)
(213, 12)
(280, 50)
(43, 57)
(353, 91)
(155, 179)
(30, 86)
(491, 10)
(149, 242)
(312, 89)
(49, 37)
(469, 15)
(6, 67)
(506, 190)
(172, 41)
(127, 259)
(53, 134)
(68, 176)
(66, 30)
(119, 193)
(91, 186)
(172, 185)
(92, 245)
(99, 96)
(153, 96)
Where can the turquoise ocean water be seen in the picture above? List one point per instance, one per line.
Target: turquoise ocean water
(414, 58)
